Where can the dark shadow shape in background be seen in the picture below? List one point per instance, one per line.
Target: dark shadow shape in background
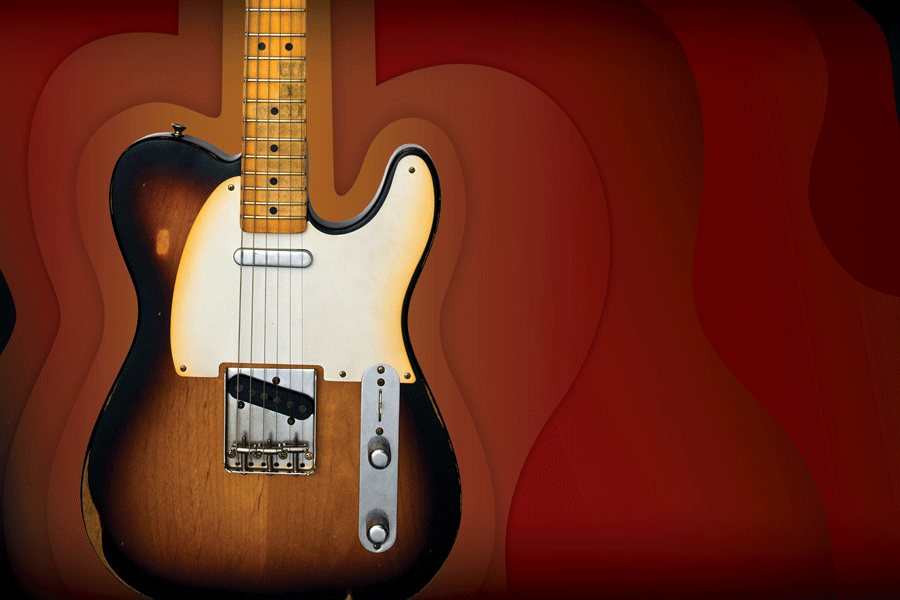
(888, 18)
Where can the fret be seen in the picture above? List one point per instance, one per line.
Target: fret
(294, 147)
(292, 24)
(285, 112)
(277, 203)
(273, 217)
(256, 34)
(267, 139)
(263, 225)
(273, 193)
(265, 212)
(276, 10)
(274, 90)
(255, 79)
(273, 173)
(288, 70)
(275, 57)
(276, 157)
(276, 164)
(262, 181)
(273, 121)
(274, 101)
(273, 188)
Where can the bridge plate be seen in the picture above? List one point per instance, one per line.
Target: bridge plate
(270, 421)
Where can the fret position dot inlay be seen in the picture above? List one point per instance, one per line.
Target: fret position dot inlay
(262, 46)
(289, 46)
(274, 110)
(273, 210)
(273, 181)
(274, 148)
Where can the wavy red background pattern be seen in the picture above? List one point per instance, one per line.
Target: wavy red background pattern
(711, 239)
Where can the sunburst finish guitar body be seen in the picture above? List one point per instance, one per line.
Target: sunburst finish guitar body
(270, 432)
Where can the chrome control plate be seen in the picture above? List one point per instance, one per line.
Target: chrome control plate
(379, 436)
(270, 421)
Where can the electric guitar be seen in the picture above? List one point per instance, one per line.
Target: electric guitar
(270, 431)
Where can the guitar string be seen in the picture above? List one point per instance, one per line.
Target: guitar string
(268, 225)
(243, 233)
(279, 235)
(253, 267)
(303, 128)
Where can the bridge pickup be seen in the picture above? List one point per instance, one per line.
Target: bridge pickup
(270, 396)
(264, 257)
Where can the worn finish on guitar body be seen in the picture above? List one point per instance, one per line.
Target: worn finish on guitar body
(161, 510)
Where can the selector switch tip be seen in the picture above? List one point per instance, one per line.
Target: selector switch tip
(179, 129)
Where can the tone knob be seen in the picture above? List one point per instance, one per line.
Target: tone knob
(377, 530)
(379, 454)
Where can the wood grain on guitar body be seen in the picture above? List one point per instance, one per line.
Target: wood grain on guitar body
(277, 345)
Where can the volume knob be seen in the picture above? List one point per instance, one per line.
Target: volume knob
(379, 454)
(377, 530)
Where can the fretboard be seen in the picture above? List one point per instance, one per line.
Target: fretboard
(274, 173)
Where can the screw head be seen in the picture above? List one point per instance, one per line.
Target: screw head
(308, 456)
(276, 380)
(406, 376)
(230, 187)
(412, 169)
(343, 373)
(183, 368)
(381, 369)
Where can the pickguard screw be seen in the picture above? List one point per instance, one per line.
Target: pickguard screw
(276, 380)
(291, 420)
(241, 404)
(343, 373)
(183, 368)
(381, 369)
(381, 382)
(308, 456)
(406, 376)
(412, 169)
(230, 187)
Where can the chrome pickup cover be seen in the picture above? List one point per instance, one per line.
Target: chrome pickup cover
(270, 421)
(271, 257)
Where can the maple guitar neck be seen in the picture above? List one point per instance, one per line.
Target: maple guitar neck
(275, 175)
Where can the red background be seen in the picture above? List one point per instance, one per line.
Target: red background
(713, 293)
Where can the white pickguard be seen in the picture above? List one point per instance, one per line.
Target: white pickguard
(342, 313)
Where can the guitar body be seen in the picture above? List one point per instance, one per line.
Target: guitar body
(161, 510)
